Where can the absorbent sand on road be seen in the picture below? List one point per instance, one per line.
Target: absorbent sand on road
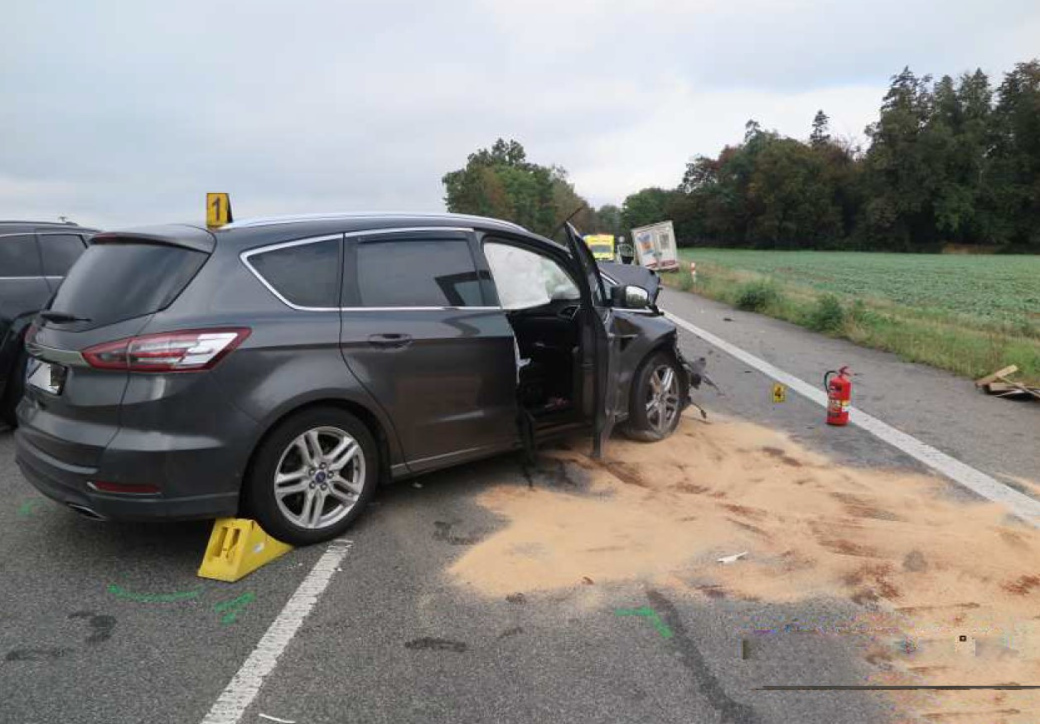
(925, 569)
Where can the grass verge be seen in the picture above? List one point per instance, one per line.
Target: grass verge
(963, 345)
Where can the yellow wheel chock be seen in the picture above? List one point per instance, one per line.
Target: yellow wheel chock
(236, 548)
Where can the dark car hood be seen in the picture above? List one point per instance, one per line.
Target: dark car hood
(632, 274)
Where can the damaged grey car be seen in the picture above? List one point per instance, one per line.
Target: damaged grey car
(282, 368)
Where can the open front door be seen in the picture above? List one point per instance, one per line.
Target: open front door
(606, 349)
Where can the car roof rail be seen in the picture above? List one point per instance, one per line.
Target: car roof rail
(349, 215)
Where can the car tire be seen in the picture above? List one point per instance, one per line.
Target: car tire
(652, 414)
(14, 390)
(302, 497)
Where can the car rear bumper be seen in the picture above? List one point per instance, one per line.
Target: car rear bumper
(68, 485)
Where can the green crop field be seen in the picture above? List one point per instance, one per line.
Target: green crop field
(999, 288)
(970, 314)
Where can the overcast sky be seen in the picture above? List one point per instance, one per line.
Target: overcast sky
(118, 113)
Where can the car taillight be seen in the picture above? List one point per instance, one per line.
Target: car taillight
(185, 351)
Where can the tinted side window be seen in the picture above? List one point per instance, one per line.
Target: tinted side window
(59, 252)
(18, 256)
(307, 275)
(436, 273)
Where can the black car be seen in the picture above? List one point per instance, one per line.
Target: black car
(284, 367)
(34, 257)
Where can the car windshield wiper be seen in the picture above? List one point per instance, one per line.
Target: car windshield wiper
(51, 316)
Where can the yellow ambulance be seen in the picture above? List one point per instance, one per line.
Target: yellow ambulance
(601, 245)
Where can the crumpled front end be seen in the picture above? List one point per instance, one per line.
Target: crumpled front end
(696, 375)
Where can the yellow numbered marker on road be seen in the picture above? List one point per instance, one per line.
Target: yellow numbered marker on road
(218, 210)
(779, 392)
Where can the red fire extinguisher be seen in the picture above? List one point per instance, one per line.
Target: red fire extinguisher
(839, 392)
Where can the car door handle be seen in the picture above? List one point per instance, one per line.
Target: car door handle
(390, 340)
(568, 312)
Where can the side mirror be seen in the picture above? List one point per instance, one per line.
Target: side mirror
(630, 296)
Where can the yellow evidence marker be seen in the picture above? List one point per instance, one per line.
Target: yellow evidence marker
(236, 548)
(779, 392)
(218, 210)
(964, 645)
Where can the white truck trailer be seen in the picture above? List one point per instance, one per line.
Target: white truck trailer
(655, 246)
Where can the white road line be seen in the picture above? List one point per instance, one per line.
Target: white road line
(245, 685)
(1023, 506)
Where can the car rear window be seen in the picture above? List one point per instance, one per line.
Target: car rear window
(114, 281)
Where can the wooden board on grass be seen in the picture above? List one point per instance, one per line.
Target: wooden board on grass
(989, 379)
(1020, 388)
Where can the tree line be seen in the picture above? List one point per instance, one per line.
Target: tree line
(952, 161)
(501, 183)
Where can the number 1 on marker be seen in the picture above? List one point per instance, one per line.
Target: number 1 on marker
(218, 209)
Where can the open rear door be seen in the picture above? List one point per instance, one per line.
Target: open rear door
(606, 349)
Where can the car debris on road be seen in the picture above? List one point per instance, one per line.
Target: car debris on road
(726, 560)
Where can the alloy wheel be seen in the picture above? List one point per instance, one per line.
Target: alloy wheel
(319, 477)
(662, 404)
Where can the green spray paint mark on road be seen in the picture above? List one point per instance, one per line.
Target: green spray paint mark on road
(660, 626)
(120, 592)
(231, 608)
(26, 509)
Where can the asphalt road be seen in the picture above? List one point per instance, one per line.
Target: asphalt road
(108, 623)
